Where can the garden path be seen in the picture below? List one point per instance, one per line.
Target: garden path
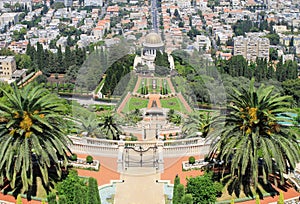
(171, 86)
(183, 101)
(123, 103)
(138, 82)
(152, 98)
(140, 186)
(32, 78)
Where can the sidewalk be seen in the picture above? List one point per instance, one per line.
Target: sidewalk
(140, 187)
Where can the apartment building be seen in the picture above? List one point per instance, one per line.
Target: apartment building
(67, 3)
(7, 67)
(202, 42)
(251, 47)
(93, 3)
(19, 47)
(5, 18)
(23, 3)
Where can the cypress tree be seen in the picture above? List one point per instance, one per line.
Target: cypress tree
(270, 72)
(280, 72)
(179, 194)
(40, 56)
(68, 59)
(93, 194)
(187, 199)
(60, 59)
(176, 183)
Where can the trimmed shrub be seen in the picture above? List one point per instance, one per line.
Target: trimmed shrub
(89, 159)
(192, 160)
(73, 188)
(187, 199)
(73, 157)
(133, 138)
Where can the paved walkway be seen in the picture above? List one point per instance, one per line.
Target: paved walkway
(154, 97)
(107, 172)
(138, 82)
(123, 103)
(171, 86)
(184, 102)
(173, 167)
(139, 187)
(32, 78)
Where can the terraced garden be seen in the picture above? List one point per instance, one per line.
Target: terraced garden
(135, 103)
(173, 103)
(153, 89)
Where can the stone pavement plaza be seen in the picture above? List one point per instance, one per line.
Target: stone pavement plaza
(140, 187)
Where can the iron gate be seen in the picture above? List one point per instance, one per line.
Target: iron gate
(137, 156)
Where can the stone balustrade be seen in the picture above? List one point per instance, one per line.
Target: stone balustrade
(97, 150)
(171, 148)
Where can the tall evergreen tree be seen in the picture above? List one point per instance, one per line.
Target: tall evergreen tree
(68, 58)
(93, 194)
(60, 62)
(176, 184)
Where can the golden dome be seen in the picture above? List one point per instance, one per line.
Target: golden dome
(153, 39)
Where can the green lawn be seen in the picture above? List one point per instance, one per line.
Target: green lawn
(141, 85)
(173, 103)
(148, 83)
(167, 85)
(158, 83)
(135, 103)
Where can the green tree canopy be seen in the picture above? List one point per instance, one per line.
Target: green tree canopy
(32, 138)
(203, 189)
(251, 133)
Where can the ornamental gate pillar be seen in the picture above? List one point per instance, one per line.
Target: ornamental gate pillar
(120, 160)
(160, 149)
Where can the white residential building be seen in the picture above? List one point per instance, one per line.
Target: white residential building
(202, 42)
(93, 3)
(5, 18)
(252, 47)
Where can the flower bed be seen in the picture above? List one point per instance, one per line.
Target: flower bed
(197, 165)
(81, 163)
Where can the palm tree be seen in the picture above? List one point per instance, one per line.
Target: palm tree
(109, 127)
(89, 125)
(175, 118)
(197, 122)
(32, 138)
(251, 133)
